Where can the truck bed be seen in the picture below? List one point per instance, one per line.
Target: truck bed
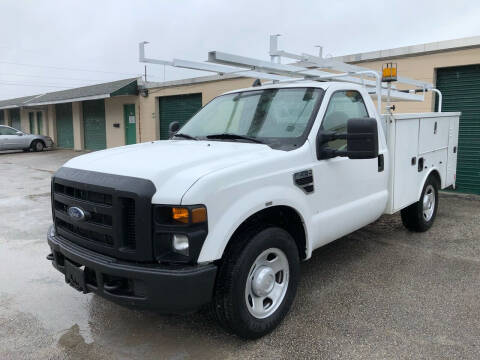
(420, 143)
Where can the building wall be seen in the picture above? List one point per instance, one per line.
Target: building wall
(423, 68)
(50, 120)
(114, 115)
(149, 122)
(25, 122)
(77, 118)
(6, 114)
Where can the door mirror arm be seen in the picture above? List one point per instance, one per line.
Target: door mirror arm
(325, 152)
(173, 128)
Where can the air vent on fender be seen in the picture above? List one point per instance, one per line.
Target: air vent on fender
(304, 180)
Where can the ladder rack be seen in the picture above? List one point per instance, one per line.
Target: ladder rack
(305, 67)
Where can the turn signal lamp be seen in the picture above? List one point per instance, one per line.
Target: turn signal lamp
(195, 216)
(199, 215)
(180, 215)
(389, 72)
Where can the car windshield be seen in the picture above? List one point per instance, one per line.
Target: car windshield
(270, 116)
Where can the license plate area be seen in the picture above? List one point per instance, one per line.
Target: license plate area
(75, 277)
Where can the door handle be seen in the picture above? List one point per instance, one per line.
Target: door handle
(420, 164)
(381, 163)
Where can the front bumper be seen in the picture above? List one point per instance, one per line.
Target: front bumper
(171, 289)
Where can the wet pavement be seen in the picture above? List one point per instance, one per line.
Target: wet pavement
(381, 292)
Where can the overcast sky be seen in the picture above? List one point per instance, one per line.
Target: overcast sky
(52, 45)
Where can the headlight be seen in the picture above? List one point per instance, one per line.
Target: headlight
(179, 232)
(180, 244)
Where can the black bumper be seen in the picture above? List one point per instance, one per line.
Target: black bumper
(171, 289)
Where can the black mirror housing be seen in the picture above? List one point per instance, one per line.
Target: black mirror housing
(361, 136)
(173, 128)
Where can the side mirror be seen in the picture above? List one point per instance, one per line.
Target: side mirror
(361, 136)
(173, 128)
(19, 133)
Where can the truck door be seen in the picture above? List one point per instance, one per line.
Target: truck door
(348, 193)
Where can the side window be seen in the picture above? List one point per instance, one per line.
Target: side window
(343, 105)
(7, 131)
(3, 130)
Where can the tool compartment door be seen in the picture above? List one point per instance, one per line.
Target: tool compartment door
(452, 151)
(405, 176)
(433, 134)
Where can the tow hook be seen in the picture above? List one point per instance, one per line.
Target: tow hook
(50, 257)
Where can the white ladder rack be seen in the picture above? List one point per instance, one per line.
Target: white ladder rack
(305, 68)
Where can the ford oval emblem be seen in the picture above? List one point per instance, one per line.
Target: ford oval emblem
(76, 213)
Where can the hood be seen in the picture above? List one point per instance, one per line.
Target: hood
(173, 166)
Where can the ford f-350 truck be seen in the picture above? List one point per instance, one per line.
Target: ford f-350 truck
(224, 211)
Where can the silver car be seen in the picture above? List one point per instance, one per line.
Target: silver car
(13, 139)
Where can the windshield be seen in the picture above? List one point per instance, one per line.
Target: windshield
(272, 116)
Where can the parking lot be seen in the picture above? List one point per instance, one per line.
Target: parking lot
(381, 292)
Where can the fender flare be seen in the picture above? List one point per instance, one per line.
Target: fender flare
(217, 241)
(426, 176)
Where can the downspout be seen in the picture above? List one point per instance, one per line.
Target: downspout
(439, 93)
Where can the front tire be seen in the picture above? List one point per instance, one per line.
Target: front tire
(420, 216)
(37, 146)
(257, 282)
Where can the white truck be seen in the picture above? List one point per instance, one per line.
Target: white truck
(224, 211)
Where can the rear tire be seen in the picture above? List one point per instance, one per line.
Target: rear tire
(420, 216)
(37, 145)
(257, 282)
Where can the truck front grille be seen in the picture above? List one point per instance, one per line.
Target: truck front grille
(91, 196)
(115, 214)
(85, 234)
(128, 213)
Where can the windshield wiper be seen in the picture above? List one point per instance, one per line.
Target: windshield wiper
(185, 136)
(234, 137)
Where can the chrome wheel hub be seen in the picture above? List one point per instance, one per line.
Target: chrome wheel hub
(267, 283)
(428, 202)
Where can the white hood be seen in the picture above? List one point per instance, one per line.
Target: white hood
(172, 166)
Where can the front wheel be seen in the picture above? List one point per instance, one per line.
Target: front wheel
(420, 216)
(257, 282)
(37, 145)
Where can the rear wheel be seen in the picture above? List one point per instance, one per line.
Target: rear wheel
(257, 282)
(37, 145)
(421, 215)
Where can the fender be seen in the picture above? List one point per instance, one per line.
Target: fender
(425, 177)
(244, 207)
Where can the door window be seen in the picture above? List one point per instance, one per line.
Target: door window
(343, 105)
(7, 131)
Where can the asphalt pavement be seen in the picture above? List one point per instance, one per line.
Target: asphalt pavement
(379, 293)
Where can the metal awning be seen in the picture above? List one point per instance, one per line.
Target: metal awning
(16, 102)
(91, 92)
